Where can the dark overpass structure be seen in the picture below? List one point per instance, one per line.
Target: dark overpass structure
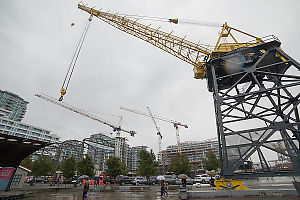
(12, 151)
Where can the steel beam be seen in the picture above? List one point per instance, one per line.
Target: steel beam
(256, 106)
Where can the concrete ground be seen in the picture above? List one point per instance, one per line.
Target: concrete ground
(65, 192)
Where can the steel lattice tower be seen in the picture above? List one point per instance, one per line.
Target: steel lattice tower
(256, 94)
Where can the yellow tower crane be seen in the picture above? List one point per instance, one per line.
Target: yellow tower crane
(193, 53)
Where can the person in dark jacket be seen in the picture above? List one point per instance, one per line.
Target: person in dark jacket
(163, 189)
(86, 188)
(212, 182)
(183, 180)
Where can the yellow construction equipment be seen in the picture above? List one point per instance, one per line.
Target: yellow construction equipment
(229, 184)
(195, 54)
(185, 50)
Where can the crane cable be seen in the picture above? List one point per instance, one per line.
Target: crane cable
(175, 20)
(67, 79)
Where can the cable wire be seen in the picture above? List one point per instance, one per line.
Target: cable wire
(74, 60)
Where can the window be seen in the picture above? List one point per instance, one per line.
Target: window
(4, 121)
(16, 180)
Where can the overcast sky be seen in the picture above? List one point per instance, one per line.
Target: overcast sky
(116, 69)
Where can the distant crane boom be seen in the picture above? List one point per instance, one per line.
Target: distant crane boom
(155, 117)
(158, 131)
(83, 113)
(175, 123)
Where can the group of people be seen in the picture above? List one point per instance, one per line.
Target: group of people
(163, 191)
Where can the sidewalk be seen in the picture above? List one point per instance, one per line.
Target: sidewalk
(27, 189)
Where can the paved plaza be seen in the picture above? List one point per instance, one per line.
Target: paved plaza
(69, 192)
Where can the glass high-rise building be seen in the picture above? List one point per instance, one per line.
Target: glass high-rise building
(12, 111)
(12, 106)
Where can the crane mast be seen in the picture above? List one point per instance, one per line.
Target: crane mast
(176, 124)
(116, 128)
(158, 131)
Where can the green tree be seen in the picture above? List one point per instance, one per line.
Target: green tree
(115, 167)
(147, 163)
(27, 162)
(86, 166)
(68, 167)
(43, 166)
(211, 162)
(180, 164)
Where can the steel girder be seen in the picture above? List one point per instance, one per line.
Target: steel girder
(256, 94)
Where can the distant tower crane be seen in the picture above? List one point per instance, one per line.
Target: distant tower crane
(158, 131)
(116, 128)
(175, 123)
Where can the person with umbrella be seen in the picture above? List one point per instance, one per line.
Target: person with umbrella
(163, 189)
(162, 185)
(183, 179)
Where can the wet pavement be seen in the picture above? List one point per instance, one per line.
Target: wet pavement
(44, 192)
(151, 195)
(71, 195)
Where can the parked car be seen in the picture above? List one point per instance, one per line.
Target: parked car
(153, 180)
(203, 178)
(189, 181)
(122, 180)
(139, 180)
(170, 179)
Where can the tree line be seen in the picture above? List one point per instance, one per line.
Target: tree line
(45, 166)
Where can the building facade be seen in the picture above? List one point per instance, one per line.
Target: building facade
(12, 106)
(12, 111)
(15, 128)
(100, 149)
(105, 146)
(195, 151)
(133, 159)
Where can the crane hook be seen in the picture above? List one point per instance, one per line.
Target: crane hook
(90, 18)
(62, 93)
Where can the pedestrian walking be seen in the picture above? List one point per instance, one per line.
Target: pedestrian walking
(85, 191)
(212, 182)
(183, 180)
(163, 191)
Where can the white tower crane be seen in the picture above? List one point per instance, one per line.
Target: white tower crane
(158, 131)
(176, 124)
(116, 128)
